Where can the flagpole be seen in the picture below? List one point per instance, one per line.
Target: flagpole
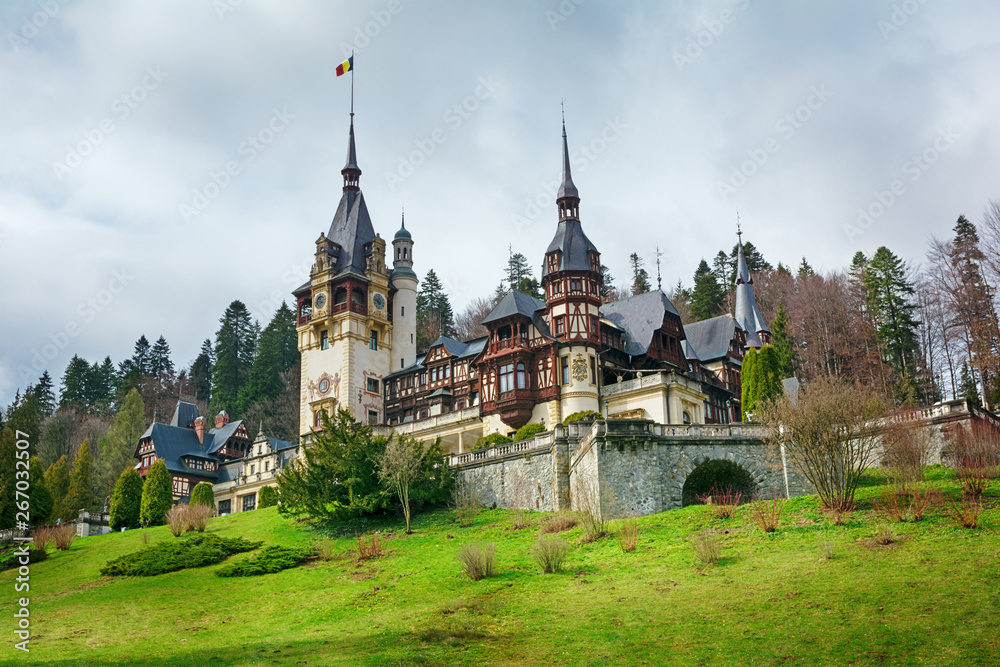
(352, 86)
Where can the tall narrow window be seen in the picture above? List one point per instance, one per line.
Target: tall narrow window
(324, 340)
(560, 326)
(506, 378)
(593, 371)
(402, 311)
(521, 377)
(373, 340)
(564, 364)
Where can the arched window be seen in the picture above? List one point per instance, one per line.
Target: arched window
(687, 417)
(521, 376)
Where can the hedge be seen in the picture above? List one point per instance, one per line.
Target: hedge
(270, 559)
(170, 556)
(490, 440)
(527, 431)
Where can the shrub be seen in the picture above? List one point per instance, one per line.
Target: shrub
(175, 519)
(559, 523)
(324, 548)
(906, 448)
(628, 534)
(269, 560)
(170, 556)
(839, 515)
(63, 535)
(521, 520)
(707, 547)
(157, 495)
(765, 513)
(826, 550)
(10, 558)
(921, 500)
(884, 534)
(965, 511)
(528, 431)
(724, 501)
(590, 513)
(126, 500)
(196, 517)
(490, 440)
(976, 454)
(466, 499)
(267, 497)
(577, 416)
(43, 537)
(550, 552)
(477, 560)
(202, 494)
(890, 506)
(369, 547)
(144, 537)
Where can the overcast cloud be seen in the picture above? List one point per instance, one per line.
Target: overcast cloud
(116, 116)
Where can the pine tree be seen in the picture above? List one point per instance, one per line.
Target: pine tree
(967, 387)
(755, 261)
(748, 383)
(518, 269)
(806, 270)
(25, 415)
(157, 495)
(640, 278)
(760, 377)
(268, 497)
(607, 282)
(57, 482)
(39, 498)
(45, 395)
(200, 375)
(8, 489)
(890, 299)
(126, 500)
(80, 494)
(134, 372)
(76, 384)
(161, 367)
(434, 314)
(202, 494)
(104, 384)
(117, 447)
(277, 354)
(707, 297)
(782, 345)
(234, 354)
(722, 269)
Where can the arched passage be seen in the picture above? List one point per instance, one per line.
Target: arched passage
(717, 473)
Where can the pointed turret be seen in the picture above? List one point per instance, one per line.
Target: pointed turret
(351, 229)
(570, 249)
(747, 314)
(568, 197)
(351, 170)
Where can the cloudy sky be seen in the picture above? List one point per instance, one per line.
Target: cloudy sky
(160, 159)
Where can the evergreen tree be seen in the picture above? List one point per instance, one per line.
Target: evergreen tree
(761, 378)
(117, 447)
(707, 297)
(782, 345)
(607, 282)
(57, 482)
(755, 261)
(161, 367)
(134, 372)
(967, 388)
(748, 383)
(80, 494)
(104, 384)
(234, 353)
(24, 414)
(8, 489)
(640, 278)
(202, 494)
(267, 496)
(39, 499)
(889, 297)
(722, 269)
(157, 495)
(434, 314)
(200, 375)
(126, 500)
(45, 395)
(518, 269)
(277, 354)
(806, 270)
(77, 384)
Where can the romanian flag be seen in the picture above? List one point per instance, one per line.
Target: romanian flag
(346, 66)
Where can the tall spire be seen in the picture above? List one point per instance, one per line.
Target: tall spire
(568, 197)
(747, 314)
(351, 170)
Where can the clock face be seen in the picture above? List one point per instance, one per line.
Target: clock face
(320, 300)
(379, 301)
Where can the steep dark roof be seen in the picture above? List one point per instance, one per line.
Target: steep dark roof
(711, 337)
(514, 303)
(640, 316)
(217, 437)
(184, 414)
(172, 443)
(574, 246)
(352, 153)
(567, 189)
(747, 314)
(403, 233)
(456, 348)
(352, 230)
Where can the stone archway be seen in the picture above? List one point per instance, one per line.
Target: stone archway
(724, 471)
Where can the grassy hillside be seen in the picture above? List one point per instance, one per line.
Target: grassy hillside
(933, 597)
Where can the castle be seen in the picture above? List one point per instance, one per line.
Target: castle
(540, 362)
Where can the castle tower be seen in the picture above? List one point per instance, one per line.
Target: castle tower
(404, 301)
(747, 314)
(343, 322)
(571, 278)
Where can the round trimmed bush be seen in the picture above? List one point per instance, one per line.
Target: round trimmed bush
(717, 474)
(528, 431)
(202, 494)
(267, 497)
(577, 416)
(490, 440)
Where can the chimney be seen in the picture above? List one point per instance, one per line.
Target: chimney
(199, 428)
(221, 419)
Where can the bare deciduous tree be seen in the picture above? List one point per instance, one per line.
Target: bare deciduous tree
(830, 435)
(400, 467)
(469, 323)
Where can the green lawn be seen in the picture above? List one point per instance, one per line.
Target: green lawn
(932, 598)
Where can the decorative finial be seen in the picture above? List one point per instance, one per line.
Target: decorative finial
(403, 216)
(739, 232)
(659, 281)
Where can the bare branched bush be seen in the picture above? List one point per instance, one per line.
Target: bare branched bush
(891, 506)
(550, 552)
(628, 534)
(884, 534)
(63, 536)
(175, 519)
(559, 523)
(196, 517)
(829, 434)
(975, 452)
(965, 511)
(839, 515)
(724, 501)
(369, 547)
(921, 501)
(590, 512)
(765, 513)
(466, 500)
(477, 560)
(324, 548)
(43, 537)
(906, 448)
(707, 547)
(521, 519)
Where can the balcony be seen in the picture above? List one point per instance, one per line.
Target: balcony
(359, 308)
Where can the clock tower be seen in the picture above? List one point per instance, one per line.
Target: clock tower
(344, 313)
